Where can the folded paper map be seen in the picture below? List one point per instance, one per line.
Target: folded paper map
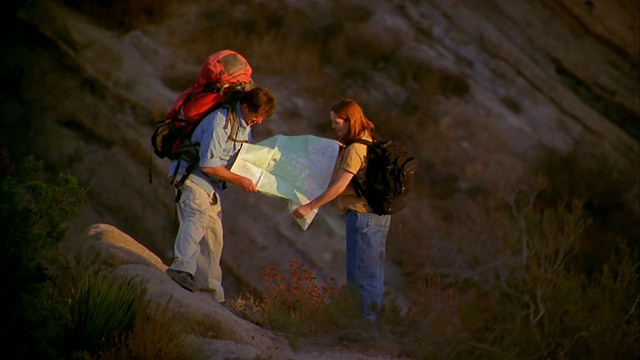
(297, 168)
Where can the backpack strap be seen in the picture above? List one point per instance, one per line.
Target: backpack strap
(357, 185)
(233, 119)
(363, 141)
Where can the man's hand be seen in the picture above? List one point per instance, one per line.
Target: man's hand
(223, 173)
(247, 185)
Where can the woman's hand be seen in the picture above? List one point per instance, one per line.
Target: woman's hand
(301, 211)
(334, 189)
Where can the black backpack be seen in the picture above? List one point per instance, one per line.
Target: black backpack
(389, 176)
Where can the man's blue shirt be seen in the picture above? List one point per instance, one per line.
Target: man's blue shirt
(216, 149)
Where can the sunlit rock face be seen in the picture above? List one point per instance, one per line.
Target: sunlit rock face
(481, 91)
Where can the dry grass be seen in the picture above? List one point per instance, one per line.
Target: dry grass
(157, 333)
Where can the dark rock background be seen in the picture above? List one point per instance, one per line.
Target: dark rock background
(484, 93)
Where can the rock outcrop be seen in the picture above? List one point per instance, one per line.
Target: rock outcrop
(108, 250)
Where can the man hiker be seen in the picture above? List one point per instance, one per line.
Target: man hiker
(198, 243)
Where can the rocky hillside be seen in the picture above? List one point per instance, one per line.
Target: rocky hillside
(108, 250)
(482, 91)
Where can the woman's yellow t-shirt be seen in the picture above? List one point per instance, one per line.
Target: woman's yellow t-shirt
(353, 159)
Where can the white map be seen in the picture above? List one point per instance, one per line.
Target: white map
(297, 168)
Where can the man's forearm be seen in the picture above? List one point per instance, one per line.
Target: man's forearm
(223, 173)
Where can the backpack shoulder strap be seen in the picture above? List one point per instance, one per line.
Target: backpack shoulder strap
(357, 185)
(363, 141)
(233, 119)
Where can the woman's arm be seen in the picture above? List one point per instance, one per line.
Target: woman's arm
(334, 189)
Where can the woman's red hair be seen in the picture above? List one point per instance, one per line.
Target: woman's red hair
(359, 125)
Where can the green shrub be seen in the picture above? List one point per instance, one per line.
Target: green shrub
(54, 313)
(102, 309)
(32, 216)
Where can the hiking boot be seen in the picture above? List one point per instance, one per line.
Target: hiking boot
(183, 279)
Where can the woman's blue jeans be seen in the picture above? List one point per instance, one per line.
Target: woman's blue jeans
(366, 244)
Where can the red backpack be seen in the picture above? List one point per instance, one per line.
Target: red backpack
(223, 75)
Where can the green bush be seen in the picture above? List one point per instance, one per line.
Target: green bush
(33, 216)
(102, 310)
(110, 318)
(54, 313)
